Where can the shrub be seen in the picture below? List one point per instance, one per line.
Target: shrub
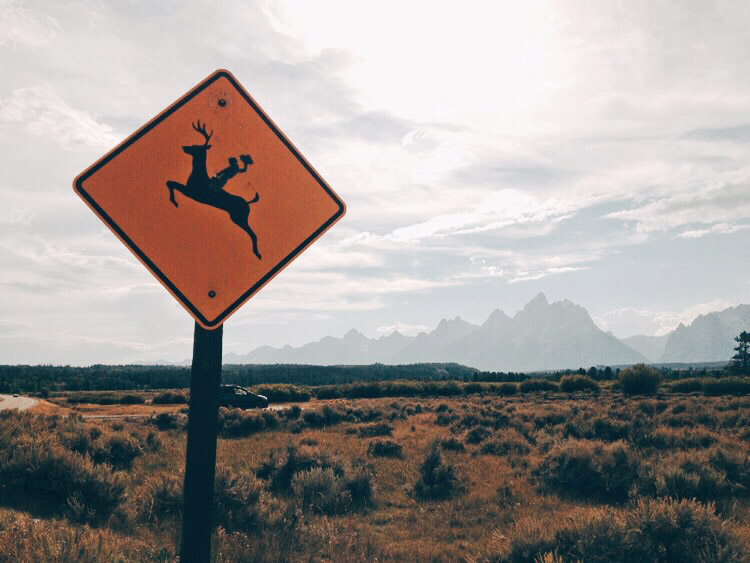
(734, 464)
(571, 383)
(169, 398)
(328, 392)
(279, 471)
(159, 498)
(131, 399)
(509, 442)
(30, 539)
(663, 438)
(280, 393)
(597, 428)
(385, 448)
(589, 469)
(714, 474)
(325, 491)
(473, 388)
(235, 423)
(651, 530)
(639, 380)
(292, 413)
(370, 430)
(358, 483)
(320, 490)
(164, 421)
(452, 445)
(117, 449)
(682, 478)
(326, 416)
(533, 385)
(106, 398)
(437, 479)
(680, 531)
(506, 389)
(477, 435)
(690, 385)
(241, 502)
(64, 481)
(726, 386)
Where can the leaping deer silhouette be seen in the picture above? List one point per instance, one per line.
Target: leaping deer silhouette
(210, 191)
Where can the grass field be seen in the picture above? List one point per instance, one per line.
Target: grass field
(533, 477)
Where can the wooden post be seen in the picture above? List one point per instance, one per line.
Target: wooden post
(200, 457)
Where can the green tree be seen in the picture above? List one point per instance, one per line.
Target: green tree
(740, 362)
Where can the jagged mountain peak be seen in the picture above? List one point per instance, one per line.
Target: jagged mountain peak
(496, 317)
(710, 337)
(541, 336)
(456, 321)
(354, 335)
(395, 335)
(539, 301)
(451, 329)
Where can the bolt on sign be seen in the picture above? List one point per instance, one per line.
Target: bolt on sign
(211, 197)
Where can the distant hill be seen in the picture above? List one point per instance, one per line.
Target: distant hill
(542, 336)
(708, 338)
(650, 346)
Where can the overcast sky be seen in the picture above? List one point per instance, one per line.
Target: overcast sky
(596, 151)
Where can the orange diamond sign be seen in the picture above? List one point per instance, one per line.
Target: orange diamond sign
(211, 197)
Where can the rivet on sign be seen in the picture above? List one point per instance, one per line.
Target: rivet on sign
(212, 294)
(222, 102)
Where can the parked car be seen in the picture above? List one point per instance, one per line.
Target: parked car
(234, 396)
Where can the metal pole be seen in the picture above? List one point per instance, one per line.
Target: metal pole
(200, 457)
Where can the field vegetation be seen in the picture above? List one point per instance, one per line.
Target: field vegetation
(584, 473)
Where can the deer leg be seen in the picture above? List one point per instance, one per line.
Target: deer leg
(172, 186)
(239, 217)
(254, 239)
(245, 227)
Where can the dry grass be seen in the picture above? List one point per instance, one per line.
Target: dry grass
(512, 497)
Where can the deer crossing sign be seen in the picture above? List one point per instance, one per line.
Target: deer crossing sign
(211, 197)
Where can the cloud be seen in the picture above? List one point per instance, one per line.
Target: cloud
(20, 25)
(324, 291)
(43, 113)
(89, 254)
(719, 228)
(501, 209)
(465, 175)
(539, 274)
(403, 328)
(736, 134)
(516, 267)
(16, 217)
(720, 206)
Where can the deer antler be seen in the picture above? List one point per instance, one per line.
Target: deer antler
(202, 130)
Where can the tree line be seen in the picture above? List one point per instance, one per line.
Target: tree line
(44, 379)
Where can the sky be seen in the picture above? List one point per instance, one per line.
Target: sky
(595, 151)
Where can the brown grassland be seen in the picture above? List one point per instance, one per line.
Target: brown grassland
(536, 477)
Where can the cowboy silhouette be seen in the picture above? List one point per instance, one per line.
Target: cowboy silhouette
(220, 179)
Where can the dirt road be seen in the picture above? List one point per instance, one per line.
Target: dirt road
(20, 403)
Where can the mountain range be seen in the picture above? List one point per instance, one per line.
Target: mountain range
(542, 336)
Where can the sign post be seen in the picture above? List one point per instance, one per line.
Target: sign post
(215, 201)
(200, 457)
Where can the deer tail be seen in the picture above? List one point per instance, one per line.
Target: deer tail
(256, 198)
